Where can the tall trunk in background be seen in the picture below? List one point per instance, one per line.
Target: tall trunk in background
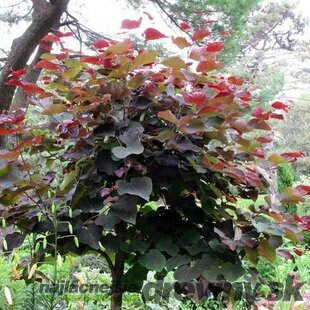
(45, 16)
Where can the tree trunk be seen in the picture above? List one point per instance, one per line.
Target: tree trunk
(45, 16)
(117, 289)
(32, 75)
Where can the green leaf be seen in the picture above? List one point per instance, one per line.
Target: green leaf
(72, 63)
(144, 58)
(189, 237)
(177, 261)
(72, 72)
(69, 178)
(188, 272)
(232, 272)
(174, 62)
(165, 244)
(126, 208)
(141, 187)
(153, 260)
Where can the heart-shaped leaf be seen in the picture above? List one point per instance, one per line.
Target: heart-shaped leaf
(141, 187)
(126, 208)
(153, 260)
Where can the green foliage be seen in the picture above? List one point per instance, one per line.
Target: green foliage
(285, 178)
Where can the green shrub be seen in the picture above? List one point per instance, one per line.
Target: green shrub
(285, 179)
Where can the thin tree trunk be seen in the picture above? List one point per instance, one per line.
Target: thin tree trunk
(45, 16)
(117, 289)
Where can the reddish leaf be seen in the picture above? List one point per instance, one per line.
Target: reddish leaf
(100, 44)
(235, 80)
(9, 155)
(185, 26)
(276, 116)
(209, 21)
(158, 77)
(200, 34)
(18, 73)
(292, 157)
(298, 252)
(12, 119)
(51, 38)
(280, 105)
(64, 34)
(259, 113)
(264, 139)
(131, 24)
(208, 65)
(196, 98)
(95, 60)
(304, 220)
(34, 141)
(31, 88)
(45, 47)
(303, 189)
(225, 33)
(244, 95)
(62, 56)
(6, 132)
(13, 82)
(153, 34)
(46, 64)
(214, 47)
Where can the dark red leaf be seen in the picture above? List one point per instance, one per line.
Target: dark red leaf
(18, 73)
(46, 64)
(95, 60)
(292, 156)
(264, 139)
(298, 252)
(153, 34)
(100, 44)
(131, 24)
(214, 47)
(277, 116)
(63, 34)
(280, 105)
(196, 98)
(45, 47)
(185, 26)
(244, 95)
